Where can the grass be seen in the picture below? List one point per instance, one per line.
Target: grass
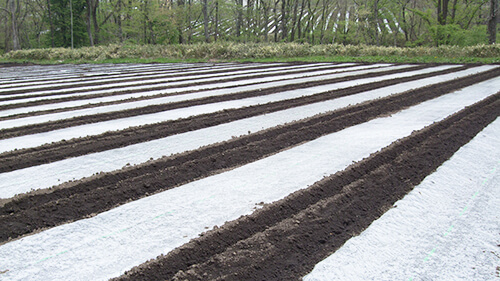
(388, 59)
(256, 52)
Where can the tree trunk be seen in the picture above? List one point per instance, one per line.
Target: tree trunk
(190, 27)
(51, 23)
(216, 34)
(323, 22)
(152, 35)
(308, 33)
(276, 20)
(442, 11)
(284, 20)
(145, 22)
(492, 23)
(119, 21)
(239, 17)
(375, 15)
(299, 21)
(250, 23)
(405, 27)
(95, 4)
(294, 20)
(180, 5)
(205, 19)
(88, 20)
(12, 11)
(445, 10)
(266, 21)
(454, 10)
(439, 11)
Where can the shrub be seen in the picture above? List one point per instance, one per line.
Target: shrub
(231, 50)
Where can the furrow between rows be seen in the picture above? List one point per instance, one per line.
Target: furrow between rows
(126, 76)
(51, 75)
(173, 86)
(155, 79)
(29, 213)
(284, 240)
(15, 128)
(106, 244)
(23, 158)
(85, 103)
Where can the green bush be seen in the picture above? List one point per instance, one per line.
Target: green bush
(230, 50)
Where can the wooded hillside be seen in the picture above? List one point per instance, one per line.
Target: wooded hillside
(28, 24)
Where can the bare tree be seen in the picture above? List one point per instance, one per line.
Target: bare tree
(239, 17)
(376, 21)
(88, 21)
(12, 10)
(205, 20)
(294, 19)
(284, 20)
(492, 23)
(442, 11)
(265, 7)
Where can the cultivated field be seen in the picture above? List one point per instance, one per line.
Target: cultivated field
(227, 171)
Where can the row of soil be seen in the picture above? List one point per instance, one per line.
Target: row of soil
(63, 109)
(286, 239)
(48, 153)
(160, 85)
(76, 200)
(123, 92)
(84, 74)
(96, 82)
(89, 119)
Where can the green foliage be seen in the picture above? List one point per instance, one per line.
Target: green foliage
(61, 17)
(260, 51)
(410, 23)
(453, 34)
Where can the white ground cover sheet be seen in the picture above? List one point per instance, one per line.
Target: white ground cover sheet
(252, 84)
(149, 73)
(137, 86)
(32, 73)
(81, 102)
(232, 72)
(246, 102)
(21, 181)
(122, 123)
(447, 228)
(106, 245)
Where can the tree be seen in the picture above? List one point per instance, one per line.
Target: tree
(61, 15)
(45, 23)
(205, 20)
(12, 10)
(442, 11)
(492, 23)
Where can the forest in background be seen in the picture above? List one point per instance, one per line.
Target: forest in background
(29, 24)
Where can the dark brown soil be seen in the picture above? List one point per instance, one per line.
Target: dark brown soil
(84, 72)
(179, 73)
(76, 147)
(115, 93)
(83, 198)
(82, 120)
(284, 240)
(112, 102)
(281, 241)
